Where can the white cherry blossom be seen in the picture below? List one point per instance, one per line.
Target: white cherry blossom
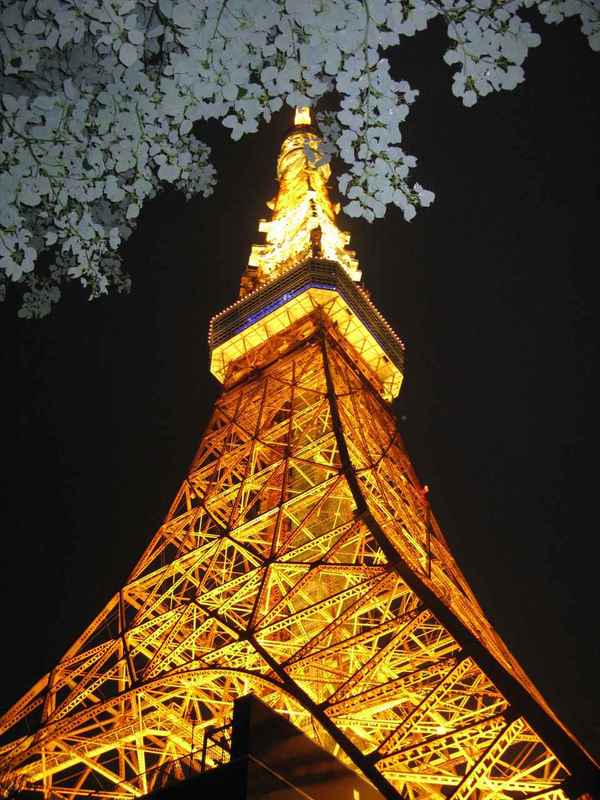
(102, 104)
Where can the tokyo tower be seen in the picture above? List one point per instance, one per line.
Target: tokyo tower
(299, 562)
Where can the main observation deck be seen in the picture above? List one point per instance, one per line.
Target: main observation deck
(289, 308)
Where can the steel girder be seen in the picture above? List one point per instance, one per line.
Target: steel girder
(299, 561)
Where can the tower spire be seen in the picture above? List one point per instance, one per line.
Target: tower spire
(303, 220)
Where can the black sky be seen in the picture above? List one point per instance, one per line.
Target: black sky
(493, 290)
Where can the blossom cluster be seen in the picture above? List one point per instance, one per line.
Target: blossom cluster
(101, 101)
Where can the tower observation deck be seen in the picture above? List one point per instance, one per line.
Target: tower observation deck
(299, 562)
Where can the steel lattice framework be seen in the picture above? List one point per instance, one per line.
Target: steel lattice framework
(299, 561)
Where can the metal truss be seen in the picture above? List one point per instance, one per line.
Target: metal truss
(299, 561)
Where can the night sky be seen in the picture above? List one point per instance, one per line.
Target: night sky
(493, 292)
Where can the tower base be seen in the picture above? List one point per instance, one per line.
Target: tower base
(272, 759)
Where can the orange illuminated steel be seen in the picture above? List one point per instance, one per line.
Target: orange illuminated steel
(299, 561)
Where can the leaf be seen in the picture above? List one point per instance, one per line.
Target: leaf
(28, 196)
(114, 238)
(230, 92)
(35, 27)
(10, 104)
(43, 103)
(469, 98)
(182, 16)
(353, 209)
(135, 36)
(11, 267)
(451, 57)
(166, 7)
(127, 54)
(267, 75)
(85, 229)
(69, 89)
(112, 190)
(409, 212)
(333, 60)
(168, 172)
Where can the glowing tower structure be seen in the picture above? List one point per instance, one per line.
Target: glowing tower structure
(300, 562)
